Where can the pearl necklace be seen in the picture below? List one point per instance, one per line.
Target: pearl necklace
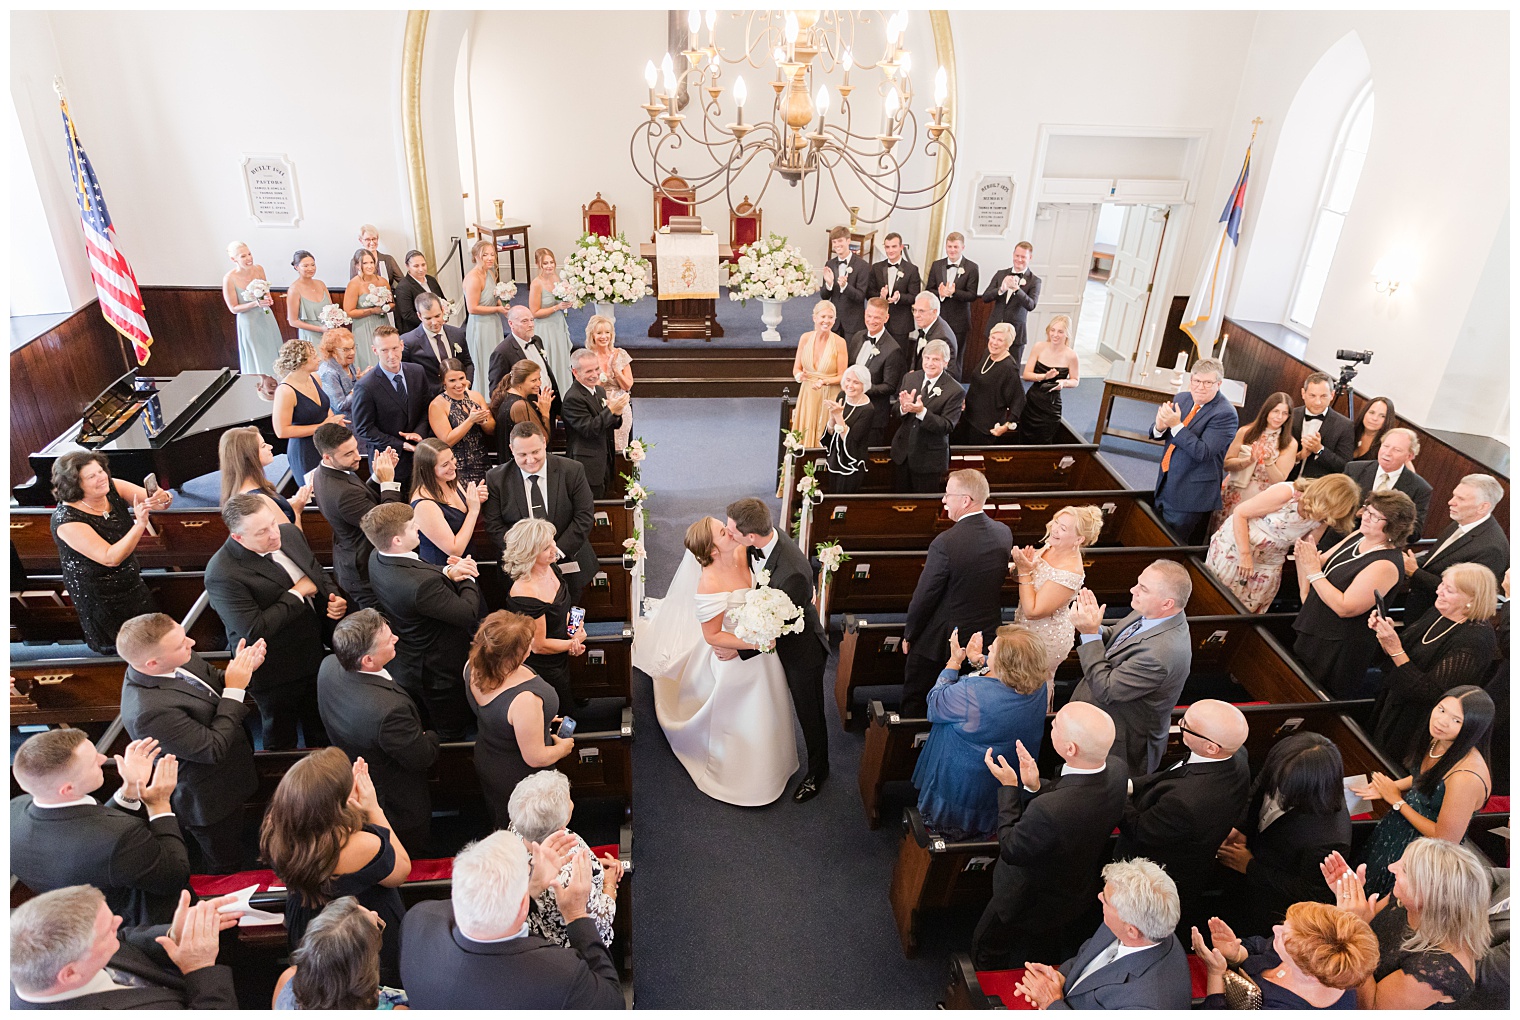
(1358, 553)
(987, 365)
(1427, 639)
(1431, 754)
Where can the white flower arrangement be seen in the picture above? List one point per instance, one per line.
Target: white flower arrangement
(772, 270)
(602, 269)
(633, 549)
(635, 451)
(333, 316)
(637, 493)
(831, 556)
(767, 613)
(762, 577)
(258, 290)
(506, 290)
(378, 296)
(792, 441)
(808, 487)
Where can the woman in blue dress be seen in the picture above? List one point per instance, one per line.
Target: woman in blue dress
(306, 298)
(257, 331)
(300, 405)
(549, 319)
(485, 327)
(999, 706)
(446, 507)
(370, 309)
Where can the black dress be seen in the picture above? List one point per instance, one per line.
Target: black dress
(499, 763)
(364, 886)
(1458, 653)
(104, 597)
(1439, 970)
(552, 666)
(1040, 422)
(453, 517)
(846, 454)
(994, 394)
(470, 450)
(1338, 652)
(301, 451)
(1260, 958)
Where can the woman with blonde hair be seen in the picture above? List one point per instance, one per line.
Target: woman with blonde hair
(486, 326)
(1049, 578)
(300, 406)
(1315, 959)
(367, 317)
(988, 712)
(994, 394)
(529, 557)
(1050, 367)
(242, 455)
(617, 371)
(820, 362)
(551, 323)
(1247, 553)
(258, 333)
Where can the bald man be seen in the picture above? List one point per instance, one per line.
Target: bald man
(1053, 835)
(1178, 817)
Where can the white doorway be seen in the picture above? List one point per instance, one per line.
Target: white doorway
(1129, 283)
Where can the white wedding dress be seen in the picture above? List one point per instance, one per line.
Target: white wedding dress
(730, 723)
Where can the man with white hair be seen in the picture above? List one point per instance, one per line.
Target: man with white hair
(927, 326)
(1392, 470)
(930, 403)
(1135, 961)
(1053, 837)
(475, 951)
(540, 806)
(591, 417)
(1473, 536)
(1197, 428)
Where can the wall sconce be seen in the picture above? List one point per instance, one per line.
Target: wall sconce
(1391, 271)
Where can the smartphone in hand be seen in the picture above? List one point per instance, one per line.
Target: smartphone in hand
(1382, 605)
(576, 620)
(566, 727)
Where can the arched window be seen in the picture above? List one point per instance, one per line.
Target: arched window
(1335, 202)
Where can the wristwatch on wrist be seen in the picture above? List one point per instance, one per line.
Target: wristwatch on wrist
(1397, 805)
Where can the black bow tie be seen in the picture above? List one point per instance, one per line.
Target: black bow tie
(756, 554)
(1315, 417)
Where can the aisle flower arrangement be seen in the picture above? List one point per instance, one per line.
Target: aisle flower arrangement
(772, 270)
(603, 269)
(830, 556)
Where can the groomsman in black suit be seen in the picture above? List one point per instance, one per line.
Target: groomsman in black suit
(520, 342)
(344, 498)
(390, 403)
(895, 280)
(433, 610)
(590, 420)
(960, 588)
(197, 713)
(540, 484)
(1178, 817)
(1328, 441)
(879, 353)
(927, 325)
(954, 281)
(929, 403)
(414, 283)
(265, 583)
(1472, 537)
(433, 341)
(1013, 293)
(845, 276)
(369, 716)
(1392, 470)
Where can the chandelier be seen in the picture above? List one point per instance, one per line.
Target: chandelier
(800, 137)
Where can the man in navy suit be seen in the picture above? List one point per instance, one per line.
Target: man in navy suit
(435, 341)
(390, 403)
(1198, 428)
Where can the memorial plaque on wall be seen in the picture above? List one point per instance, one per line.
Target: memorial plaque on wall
(269, 182)
(991, 205)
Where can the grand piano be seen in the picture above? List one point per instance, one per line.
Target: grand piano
(169, 427)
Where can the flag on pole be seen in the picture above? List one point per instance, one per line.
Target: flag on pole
(1205, 308)
(120, 299)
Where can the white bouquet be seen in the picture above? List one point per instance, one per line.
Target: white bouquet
(333, 316)
(602, 269)
(766, 614)
(376, 297)
(506, 290)
(770, 269)
(257, 290)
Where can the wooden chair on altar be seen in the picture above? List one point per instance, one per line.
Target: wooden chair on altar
(599, 217)
(674, 197)
(744, 224)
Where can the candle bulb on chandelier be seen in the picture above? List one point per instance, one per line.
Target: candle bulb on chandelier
(650, 77)
(848, 61)
(889, 112)
(941, 88)
(712, 28)
(905, 62)
(793, 28)
(694, 23)
(823, 106)
(740, 95)
(780, 57)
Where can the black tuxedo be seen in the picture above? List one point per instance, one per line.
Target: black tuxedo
(1052, 847)
(373, 718)
(139, 865)
(344, 498)
(589, 426)
(407, 290)
(251, 593)
(1364, 474)
(435, 618)
(886, 367)
(956, 309)
(380, 414)
(1179, 816)
(921, 448)
(906, 287)
(163, 986)
(442, 969)
(916, 340)
(961, 586)
(208, 734)
(1339, 437)
(849, 300)
(1286, 856)
(508, 353)
(1485, 544)
(419, 351)
(571, 509)
(803, 656)
(1013, 307)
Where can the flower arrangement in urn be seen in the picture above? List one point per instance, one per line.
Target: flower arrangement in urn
(604, 269)
(772, 270)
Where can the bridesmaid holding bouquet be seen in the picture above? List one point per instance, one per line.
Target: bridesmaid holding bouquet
(245, 289)
(367, 300)
(552, 325)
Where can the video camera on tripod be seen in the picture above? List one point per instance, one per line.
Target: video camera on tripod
(1348, 373)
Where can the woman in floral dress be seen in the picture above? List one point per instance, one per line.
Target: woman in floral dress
(617, 371)
(1261, 455)
(1049, 578)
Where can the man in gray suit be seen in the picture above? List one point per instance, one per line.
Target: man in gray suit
(1135, 670)
(1133, 962)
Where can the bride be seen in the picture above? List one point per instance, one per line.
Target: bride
(728, 719)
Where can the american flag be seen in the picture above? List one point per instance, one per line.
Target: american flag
(120, 299)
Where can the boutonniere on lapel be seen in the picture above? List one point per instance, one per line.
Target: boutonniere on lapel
(762, 578)
(932, 391)
(458, 349)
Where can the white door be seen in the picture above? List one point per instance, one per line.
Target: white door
(1063, 237)
(1129, 284)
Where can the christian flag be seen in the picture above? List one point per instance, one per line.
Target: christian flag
(120, 300)
(1205, 309)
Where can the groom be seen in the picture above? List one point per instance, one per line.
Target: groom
(803, 656)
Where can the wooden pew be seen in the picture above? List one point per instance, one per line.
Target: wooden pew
(43, 612)
(1008, 468)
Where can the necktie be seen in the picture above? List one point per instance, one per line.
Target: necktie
(1102, 960)
(1166, 461)
(1384, 483)
(400, 385)
(1442, 547)
(535, 498)
(1126, 634)
(196, 682)
(439, 349)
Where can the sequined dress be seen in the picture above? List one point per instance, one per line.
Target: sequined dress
(1056, 631)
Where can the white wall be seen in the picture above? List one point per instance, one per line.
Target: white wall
(1474, 394)
(37, 283)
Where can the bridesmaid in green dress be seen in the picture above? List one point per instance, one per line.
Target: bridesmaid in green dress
(359, 304)
(311, 295)
(258, 333)
(484, 329)
(552, 325)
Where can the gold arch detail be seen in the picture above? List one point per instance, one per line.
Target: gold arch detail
(411, 130)
(944, 53)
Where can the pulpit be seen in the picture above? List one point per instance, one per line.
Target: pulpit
(685, 261)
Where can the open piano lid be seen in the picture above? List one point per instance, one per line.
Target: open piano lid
(161, 407)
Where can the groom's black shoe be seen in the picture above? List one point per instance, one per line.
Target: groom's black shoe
(811, 784)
